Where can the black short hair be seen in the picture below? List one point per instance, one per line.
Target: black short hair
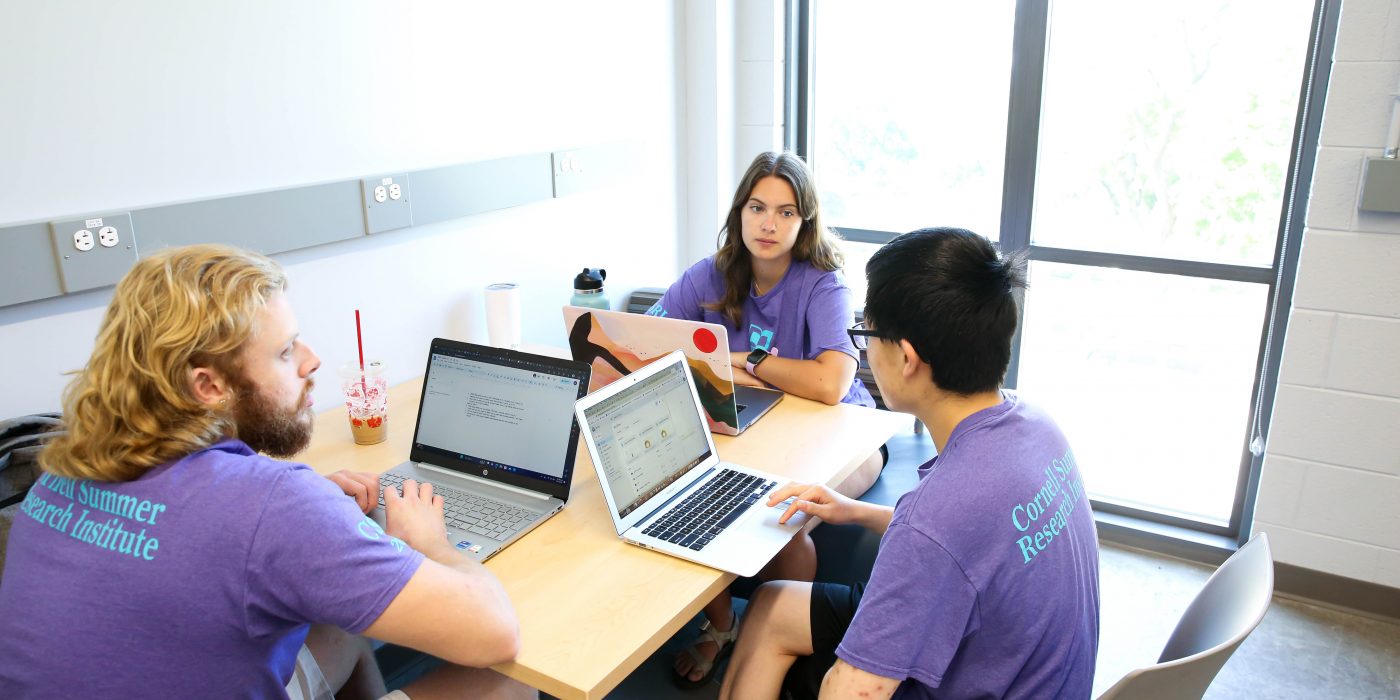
(950, 294)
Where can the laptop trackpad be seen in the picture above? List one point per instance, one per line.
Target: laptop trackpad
(770, 517)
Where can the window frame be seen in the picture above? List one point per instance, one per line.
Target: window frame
(1025, 98)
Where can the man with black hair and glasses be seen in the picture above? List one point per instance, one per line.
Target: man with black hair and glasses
(986, 582)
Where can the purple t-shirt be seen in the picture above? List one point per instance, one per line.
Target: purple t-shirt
(987, 581)
(198, 579)
(804, 315)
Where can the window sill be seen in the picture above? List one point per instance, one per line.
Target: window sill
(1169, 540)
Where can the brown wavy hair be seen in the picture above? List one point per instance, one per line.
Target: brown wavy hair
(815, 243)
(132, 407)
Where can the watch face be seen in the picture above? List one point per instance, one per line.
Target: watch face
(757, 356)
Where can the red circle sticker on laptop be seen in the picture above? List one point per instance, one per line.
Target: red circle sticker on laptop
(705, 340)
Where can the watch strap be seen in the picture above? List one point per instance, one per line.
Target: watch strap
(751, 364)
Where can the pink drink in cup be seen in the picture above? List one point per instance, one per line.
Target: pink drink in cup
(366, 401)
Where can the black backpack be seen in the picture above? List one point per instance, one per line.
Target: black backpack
(20, 441)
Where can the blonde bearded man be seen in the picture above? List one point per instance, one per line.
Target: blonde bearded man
(161, 556)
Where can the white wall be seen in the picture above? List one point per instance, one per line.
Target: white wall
(759, 35)
(133, 104)
(734, 83)
(709, 122)
(1330, 493)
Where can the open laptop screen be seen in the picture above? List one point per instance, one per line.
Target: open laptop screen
(505, 412)
(647, 436)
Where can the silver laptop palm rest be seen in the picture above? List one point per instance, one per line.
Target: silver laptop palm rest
(486, 482)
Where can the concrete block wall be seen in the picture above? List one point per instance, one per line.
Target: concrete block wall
(759, 34)
(1330, 491)
(734, 82)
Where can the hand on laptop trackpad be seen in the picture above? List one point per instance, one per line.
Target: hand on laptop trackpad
(797, 519)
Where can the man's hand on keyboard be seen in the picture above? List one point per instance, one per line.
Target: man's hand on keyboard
(814, 499)
(415, 516)
(362, 487)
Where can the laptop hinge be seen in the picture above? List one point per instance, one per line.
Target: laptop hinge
(486, 482)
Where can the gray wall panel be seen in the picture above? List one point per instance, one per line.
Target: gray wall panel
(594, 167)
(300, 217)
(268, 222)
(462, 190)
(28, 270)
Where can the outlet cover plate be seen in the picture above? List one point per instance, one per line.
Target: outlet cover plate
(384, 211)
(594, 167)
(100, 265)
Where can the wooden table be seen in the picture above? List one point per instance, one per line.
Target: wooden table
(592, 608)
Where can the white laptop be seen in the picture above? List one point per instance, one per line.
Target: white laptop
(665, 486)
(496, 438)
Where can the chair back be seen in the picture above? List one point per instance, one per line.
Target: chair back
(1228, 608)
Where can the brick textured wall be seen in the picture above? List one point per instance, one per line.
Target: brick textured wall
(1330, 494)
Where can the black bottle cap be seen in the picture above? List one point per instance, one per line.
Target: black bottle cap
(590, 278)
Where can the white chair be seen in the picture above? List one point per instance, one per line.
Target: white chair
(1227, 609)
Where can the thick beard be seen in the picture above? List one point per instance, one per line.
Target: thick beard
(267, 428)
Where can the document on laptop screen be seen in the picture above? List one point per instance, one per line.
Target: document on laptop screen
(647, 437)
(514, 416)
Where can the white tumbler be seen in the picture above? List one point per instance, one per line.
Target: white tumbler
(503, 315)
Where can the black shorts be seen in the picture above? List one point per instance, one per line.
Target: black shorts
(833, 608)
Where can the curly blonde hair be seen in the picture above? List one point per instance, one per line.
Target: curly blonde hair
(132, 407)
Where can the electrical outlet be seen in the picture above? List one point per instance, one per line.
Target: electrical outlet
(594, 167)
(88, 260)
(386, 203)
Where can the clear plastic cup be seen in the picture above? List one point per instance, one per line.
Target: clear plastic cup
(366, 401)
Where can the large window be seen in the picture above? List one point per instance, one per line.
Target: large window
(930, 135)
(1143, 153)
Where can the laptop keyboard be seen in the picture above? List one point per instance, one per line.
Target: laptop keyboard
(470, 512)
(697, 520)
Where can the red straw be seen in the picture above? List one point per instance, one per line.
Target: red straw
(360, 340)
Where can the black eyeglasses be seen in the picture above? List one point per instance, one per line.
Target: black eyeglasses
(860, 335)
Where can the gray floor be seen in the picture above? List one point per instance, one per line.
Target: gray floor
(1299, 651)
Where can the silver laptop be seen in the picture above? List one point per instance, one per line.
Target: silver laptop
(665, 486)
(729, 407)
(496, 438)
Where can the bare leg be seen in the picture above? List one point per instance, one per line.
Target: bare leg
(777, 629)
(453, 681)
(795, 562)
(720, 613)
(863, 477)
(798, 560)
(347, 662)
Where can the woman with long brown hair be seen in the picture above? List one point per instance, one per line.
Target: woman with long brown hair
(776, 286)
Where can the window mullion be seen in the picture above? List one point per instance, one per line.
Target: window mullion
(1029, 44)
